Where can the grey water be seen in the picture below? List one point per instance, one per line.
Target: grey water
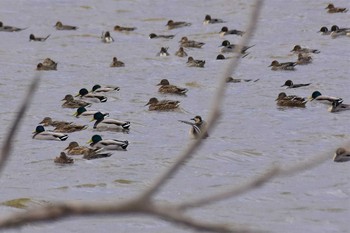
(252, 133)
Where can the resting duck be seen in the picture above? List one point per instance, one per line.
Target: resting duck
(4, 28)
(338, 106)
(195, 63)
(238, 80)
(155, 36)
(324, 31)
(341, 155)
(70, 128)
(181, 52)
(166, 88)
(47, 121)
(117, 63)
(198, 126)
(317, 96)
(290, 101)
(84, 94)
(224, 31)
(209, 20)
(70, 102)
(81, 111)
(162, 105)
(186, 43)
(41, 66)
(41, 134)
(97, 142)
(60, 26)
(275, 65)
(172, 25)
(124, 29)
(63, 159)
(230, 48)
(332, 9)
(298, 49)
(109, 122)
(95, 154)
(290, 84)
(41, 39)
(163, 52)
(98, 88)
(106, 37)
(304, 59)
(74, 149)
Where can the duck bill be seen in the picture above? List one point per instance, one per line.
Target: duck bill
(283, 85)
(147, 104)
(90, 141)
(75, 114)
(310, 98)
(92, 119)
(77, 95)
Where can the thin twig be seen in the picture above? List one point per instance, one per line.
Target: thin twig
(7, 145)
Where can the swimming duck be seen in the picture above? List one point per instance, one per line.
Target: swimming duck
(195, 63)
(230, 48)
(70, 102)
(60, 26)
(81, 111)
(163, 52)
(155, 36)
(275, 65)
(47, 121)
(181, 52)
(198, 126)
(84, 93)
(41, 66)
(341, 155)
(337, 106)
(316, 95)
(4, 28)
(290, 84)
(162, 105)
(102, 121)
(290, 100)
(95, 154)
(238, 80)
(224, 31)
(63, 159)
(98, 88)
(69, 128)
(106, 37)
(186, 43)
(335, 28)
(117, 63)
(299, 49)
(33, 38)
(324, 31)
(172, 25)
(332, 9)
(41, 134)
(125, 29)
(108, 144)
(74, 149)
(209, 20)
(304, 59)
(220, 57)
(166, 88)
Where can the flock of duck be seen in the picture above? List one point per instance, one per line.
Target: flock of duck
(98, 94)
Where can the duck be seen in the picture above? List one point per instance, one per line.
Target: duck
(191, 62)
(198, 126)
(41, 66)
(41, 134)
(97, 142)
(70, 102)
(41, 39)
(100, 120)
(47, 121)
(155, 36)
(4, 28)
(324, 31)
(162, 105)
(74, 149)
(290, 84)
(81, 111)
(224, 31)
(336, 28)
(99, 89)
(230, 48)
(298, 49)
(338, 106)
(181, 52)
(63, 159)
(49, 62)
(332, 9)
(220, 57)
(124, 29)
(166, 88)
(106, 37)
(60, 26)
(172, 25)
(84, 93)
(95, 154)
(238, 80)
(70, 128)
(186, 43)
(290, 100)
(317, 96)
(275, 65)
(304, 59)
(117, 63)
(209, 20)
(341, 155)
(163, 52)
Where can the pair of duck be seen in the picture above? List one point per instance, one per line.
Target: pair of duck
(88, 154)
(47, 64)
(335, 31)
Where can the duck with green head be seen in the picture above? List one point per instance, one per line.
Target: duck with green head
(97, 142)
(91, 97)
(318, 97)
(41, 134)
(100, 120)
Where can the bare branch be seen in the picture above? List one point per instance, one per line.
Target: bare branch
(215, 107)
(7, 145)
